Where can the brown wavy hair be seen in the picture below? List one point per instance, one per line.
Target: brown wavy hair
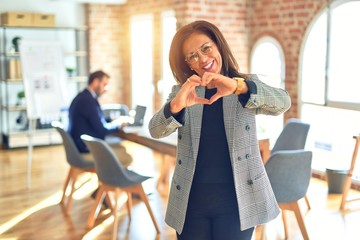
(181, 69)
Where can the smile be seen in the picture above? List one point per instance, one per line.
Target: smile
(208, 66)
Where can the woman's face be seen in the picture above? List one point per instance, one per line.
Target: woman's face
(202, 54)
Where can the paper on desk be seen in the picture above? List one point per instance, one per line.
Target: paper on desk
(122, 121)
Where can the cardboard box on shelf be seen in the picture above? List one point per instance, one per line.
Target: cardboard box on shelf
(43, 20)
(16, 19)
(14, 69)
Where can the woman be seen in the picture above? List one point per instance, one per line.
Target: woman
(219, 189)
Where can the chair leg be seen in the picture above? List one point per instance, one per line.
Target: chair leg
(300, 220)
(75, 174)
(144, 198)
(129, 204)
(348, 178)
(67, 181)
(347, 187)
(283, 215)
(109, 202)
(307, 202)
(116, 215)
(96, 207)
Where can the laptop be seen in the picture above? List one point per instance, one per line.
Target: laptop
(139, 116)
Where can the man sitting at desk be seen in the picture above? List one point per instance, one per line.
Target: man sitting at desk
(86, 117)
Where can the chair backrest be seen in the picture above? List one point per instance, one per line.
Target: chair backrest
(293, 136)
(73, 155)
(107, 166)
(289, 173)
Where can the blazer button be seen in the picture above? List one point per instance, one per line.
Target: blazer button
(179, 162)
(247, 127)
(247, 156)
(179, 137)
(178, 187)
(239, 158)
(250, 182)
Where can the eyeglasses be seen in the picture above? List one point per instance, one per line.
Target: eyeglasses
(193, 57)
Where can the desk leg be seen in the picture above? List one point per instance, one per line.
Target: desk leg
(264, 147)
(165, 173)
(162, 175)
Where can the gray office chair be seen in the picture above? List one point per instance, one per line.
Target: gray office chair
(77, 164)
(289, 173)
(293, 136)
(115, 178)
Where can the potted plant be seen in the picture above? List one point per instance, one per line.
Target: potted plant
(21, 98)
(70, 71)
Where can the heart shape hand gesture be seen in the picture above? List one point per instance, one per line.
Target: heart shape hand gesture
(187, 96)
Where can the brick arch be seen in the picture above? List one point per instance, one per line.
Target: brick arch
(264, 34)
(287, 21)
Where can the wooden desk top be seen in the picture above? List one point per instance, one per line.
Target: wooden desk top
(167, 145)
(141, 135)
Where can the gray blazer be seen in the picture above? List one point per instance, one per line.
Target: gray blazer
(256, 200)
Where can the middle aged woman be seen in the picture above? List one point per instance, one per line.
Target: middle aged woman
(219, 189)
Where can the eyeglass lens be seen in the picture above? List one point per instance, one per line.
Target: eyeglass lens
(194, 56)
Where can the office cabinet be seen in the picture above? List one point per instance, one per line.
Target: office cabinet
(14, 123)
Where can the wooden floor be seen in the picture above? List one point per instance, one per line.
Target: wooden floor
(35, 213)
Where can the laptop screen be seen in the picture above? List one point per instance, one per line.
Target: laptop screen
(139, 115)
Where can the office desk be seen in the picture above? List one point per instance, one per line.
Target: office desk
(142, 136)
(167, 145)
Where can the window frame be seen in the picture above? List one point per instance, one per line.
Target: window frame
(327, 101)
(264, 128)
(334, 112)
(272, 40)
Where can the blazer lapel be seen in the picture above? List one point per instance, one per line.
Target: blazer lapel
(229, 112)
(195, 117)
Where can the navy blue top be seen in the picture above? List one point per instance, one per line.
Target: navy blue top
(213, 163)
(86, 117)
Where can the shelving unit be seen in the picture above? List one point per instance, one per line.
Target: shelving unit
(13, 126)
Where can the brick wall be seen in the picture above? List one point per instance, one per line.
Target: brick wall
(106, 49)
(111, 23)
(229, 16)
(287, 21)
(109, 36)
(242, 22)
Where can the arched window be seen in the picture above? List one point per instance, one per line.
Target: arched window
(267, 60)
(141, 27)
(330, 83)
(168, 24)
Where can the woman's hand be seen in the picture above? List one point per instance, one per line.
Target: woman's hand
(187, 96)
(224, 85)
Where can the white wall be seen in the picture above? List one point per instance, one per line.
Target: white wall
(67, 13)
